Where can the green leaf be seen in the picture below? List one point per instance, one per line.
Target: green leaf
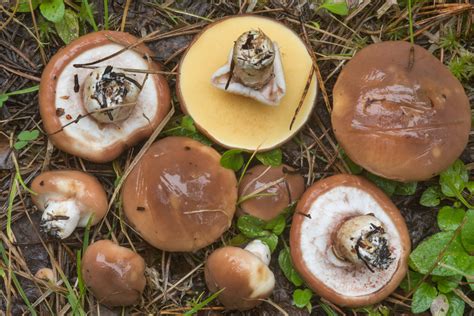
(28, 135)
(408, 188)
(378, 310)
(339, 8)
(284, 260)
(20, 144)
(301, 298)
(238, 240)
(411, 280)
(470, 186)
(251, 227)
(271, 241)
(3, 99)
(447, 283)
(439, 306)
(456, 305)
(68, 27)
(232, 159)
(467, 232)
(52, 10)
(422, 298)
(277, 225)
(449, 218)
(270, 158)
(388, 186)
(188, 123)
(431, 197)
(24, 5)
(454, 179)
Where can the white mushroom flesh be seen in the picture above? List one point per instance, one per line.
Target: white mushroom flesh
(261, 279)
(316, 242)
(60, 218)
(259, 249)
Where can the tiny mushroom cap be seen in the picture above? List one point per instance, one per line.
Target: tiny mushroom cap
(95, 110)
(114, 274)
(240, 121)
(349, 242)
(245, 278)
(46, 274)
(399, 112)
(178, 197)
(68, 198)
(267, 191)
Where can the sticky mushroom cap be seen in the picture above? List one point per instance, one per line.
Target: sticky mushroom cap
(245, 277)
(323, 208)
(114, 274)
(236, 121)
(179, 197)
(284, 192)
(399, 112)
(61, 97)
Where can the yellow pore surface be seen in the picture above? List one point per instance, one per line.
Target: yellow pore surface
(237, 121)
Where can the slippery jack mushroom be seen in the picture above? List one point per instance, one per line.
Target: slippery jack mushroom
(255, 70)
(178, 197)
(399, 112)
(68, 199)
(348, 241)
(266, 191)
(242, 273)
(114, 274)
(95, 110)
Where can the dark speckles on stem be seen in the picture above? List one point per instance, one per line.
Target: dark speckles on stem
(76, 83)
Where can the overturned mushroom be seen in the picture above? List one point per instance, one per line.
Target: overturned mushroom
(399, 112)
(114, 274)
(259, 71)
(242, 273)
(349, 242)
(95, 110)
(179, 197)
(266, 191)
(68, 200)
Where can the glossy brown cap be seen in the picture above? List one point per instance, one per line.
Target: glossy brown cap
(179, 197)
(114, 274)
(324, 207)
(61, 103)
(245, 277)
(399, 112)
(282, 193)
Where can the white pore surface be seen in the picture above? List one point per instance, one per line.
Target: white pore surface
(326, 212)
(87, 132)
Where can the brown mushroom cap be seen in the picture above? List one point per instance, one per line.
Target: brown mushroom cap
(283, 193)
(235, 121)
(179, 197)
(245, 277)
(61, 99)
(399, 112)
(114, 274)
(327, 204)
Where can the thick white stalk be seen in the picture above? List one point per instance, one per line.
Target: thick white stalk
(60, 218)
(259, 249)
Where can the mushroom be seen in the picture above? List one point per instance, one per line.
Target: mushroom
(178, 197)
(237, 121)
(68, 199)
(46, 274)
(399, 112)
(241, 274)
(265, 192)
(348, 241)
(114, 274)
(95, 110)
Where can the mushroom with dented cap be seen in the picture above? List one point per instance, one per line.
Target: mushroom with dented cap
(178, 197)
(114, 274)
(242, 275)
(68, 199)
(234, 69)
(399, 112)
(95, 110)
(349, 242)
(265, 191)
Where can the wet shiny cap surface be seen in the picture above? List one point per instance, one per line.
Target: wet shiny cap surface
(399, 112)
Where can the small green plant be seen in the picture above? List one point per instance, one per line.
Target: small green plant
(25, 137)
(234, 159)
(197, 304)
(336, 7)
(449, 41)
(462, 67)
(184, 126)
(5, 96)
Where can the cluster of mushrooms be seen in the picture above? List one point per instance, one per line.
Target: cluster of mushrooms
(398, 112)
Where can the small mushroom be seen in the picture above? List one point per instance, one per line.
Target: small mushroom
(95, 110)
(178, 197)
(243, 121)
(267, 191)
(68, 199)
(399, 112)
(46, 274)
(242, 273)
(348, 241)
(114, 274)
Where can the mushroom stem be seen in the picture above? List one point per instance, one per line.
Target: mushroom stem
(252, 59)
(259, 249)
(60, 218)
(362, 240)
